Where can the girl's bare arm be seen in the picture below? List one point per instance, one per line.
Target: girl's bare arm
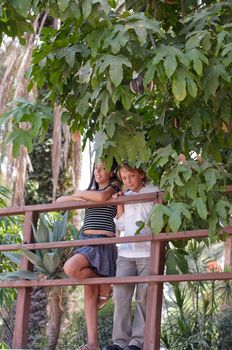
(120, 208)
(92, 195)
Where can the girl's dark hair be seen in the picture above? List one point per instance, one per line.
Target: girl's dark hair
(93, 185)
(128, 167)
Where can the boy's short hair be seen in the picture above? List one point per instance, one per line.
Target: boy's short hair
(130, 168)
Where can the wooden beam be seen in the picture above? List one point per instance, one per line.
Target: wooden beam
(143, 238)
(211, 276)
(72, 205)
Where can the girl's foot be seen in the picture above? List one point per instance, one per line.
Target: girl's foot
(88, 347)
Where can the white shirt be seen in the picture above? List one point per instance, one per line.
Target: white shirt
(127, 225)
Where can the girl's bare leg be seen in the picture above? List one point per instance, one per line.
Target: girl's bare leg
(78, 267)
(90, 309)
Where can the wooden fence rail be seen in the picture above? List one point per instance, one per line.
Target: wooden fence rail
(155, 280)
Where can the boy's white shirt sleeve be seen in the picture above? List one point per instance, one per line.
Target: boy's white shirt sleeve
(120, 223)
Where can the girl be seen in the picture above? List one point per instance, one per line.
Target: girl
(133, 259)
(97, 260)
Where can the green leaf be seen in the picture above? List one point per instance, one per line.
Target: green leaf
(191, 87)
(51, 261)
(191, 188)
(221, 209)
(60, 227)
(126, 99)
(177, 180)
(197, 63)
(140, 225)
(177, 211)
(94, 39)
(181, 262)
(210, 178)
(82, 104)
(70, 56)
(175, 221)
(201, 207)
(150, 71)
(210, 83)
(42, 234)
(141, 32)
(22, 6)
(33, 258)
(157, 217)
(213, 220)
(110, 129)
(63, 4)
(15, 275)
(170, 65)
(86, 8)
(186, 172)
(14, 257)
(105, 103)
(179, 85)
(170, 263)
(118, 40)
(196, 124)
(85, 73)
(115, 63)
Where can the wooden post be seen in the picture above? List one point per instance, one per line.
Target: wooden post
(24, 294)
(228, 252)
(154, 298)
(228, 249)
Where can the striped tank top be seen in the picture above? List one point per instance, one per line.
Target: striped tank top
(101, 218)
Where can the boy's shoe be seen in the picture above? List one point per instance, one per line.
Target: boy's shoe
(132, 347)
(112, 347)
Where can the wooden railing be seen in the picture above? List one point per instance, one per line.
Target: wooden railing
(155, 280)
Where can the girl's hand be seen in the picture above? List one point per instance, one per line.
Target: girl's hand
(116, 195)
(63, 199)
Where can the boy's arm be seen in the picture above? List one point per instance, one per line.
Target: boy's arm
(120, 211)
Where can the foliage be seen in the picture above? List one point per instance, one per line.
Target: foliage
(191, 310)
(30, 120)
(4, 194)
(75, 334)
(194, 195)
(39, 185)
(138, 78)
(46, 261)
(224, 330)
(10, 232)
(13, 19)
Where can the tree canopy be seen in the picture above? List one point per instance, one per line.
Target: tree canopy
(149, 81)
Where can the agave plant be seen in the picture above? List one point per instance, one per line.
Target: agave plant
(49, 263)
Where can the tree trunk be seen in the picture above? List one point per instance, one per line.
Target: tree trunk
(55, 314)
(8, 78)
(76, 159)
(56, 149)
(21, 91)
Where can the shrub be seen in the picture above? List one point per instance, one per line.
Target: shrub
(224, 330)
